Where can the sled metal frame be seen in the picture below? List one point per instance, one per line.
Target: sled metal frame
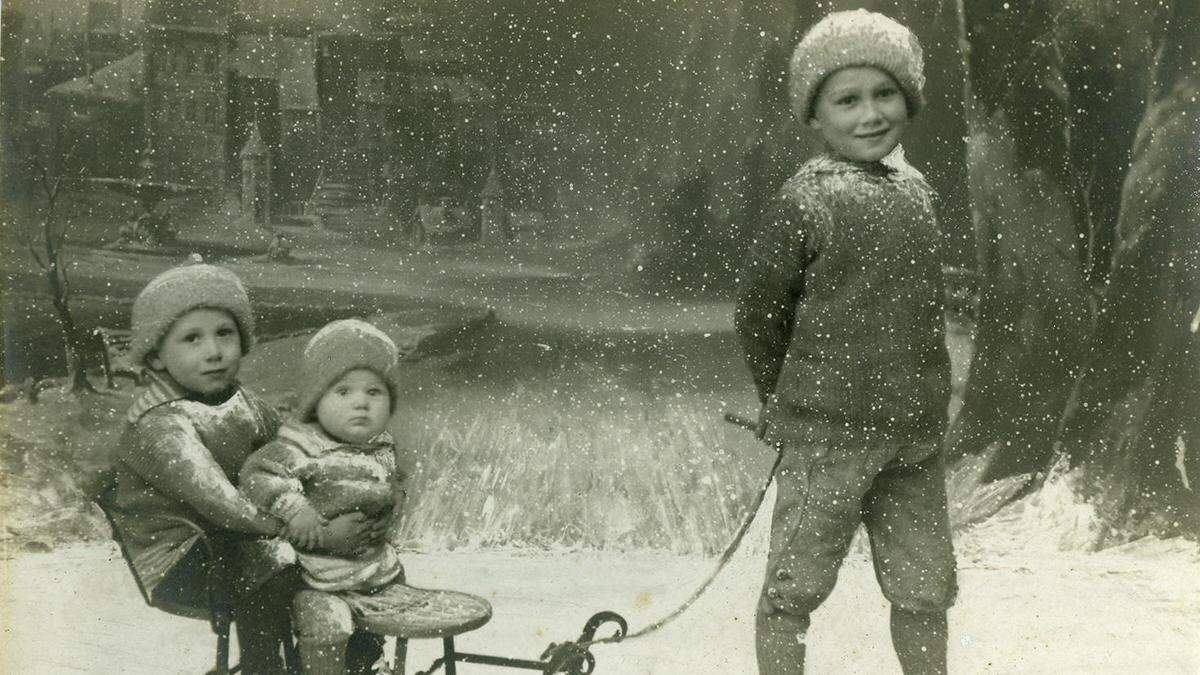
(572, 657)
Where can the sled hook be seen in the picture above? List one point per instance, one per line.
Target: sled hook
(574, 657)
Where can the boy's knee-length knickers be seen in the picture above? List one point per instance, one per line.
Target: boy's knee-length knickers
(825, 492)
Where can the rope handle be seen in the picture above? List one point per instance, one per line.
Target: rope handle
(743, 422)
(622, 634)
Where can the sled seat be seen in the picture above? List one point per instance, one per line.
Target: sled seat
(412, 613)
(219, 612)
(429, 613)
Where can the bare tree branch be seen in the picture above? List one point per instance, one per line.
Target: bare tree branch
(49, 258)
(44, 179)
(37, 256)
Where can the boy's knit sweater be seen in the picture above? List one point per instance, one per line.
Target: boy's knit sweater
(840, 307)
(175, 460)
(304, 466)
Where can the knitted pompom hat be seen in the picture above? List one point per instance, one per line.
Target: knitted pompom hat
(855, 38)
(339, 347)
(178, 291)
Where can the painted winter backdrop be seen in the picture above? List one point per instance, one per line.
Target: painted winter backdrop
(577, 426)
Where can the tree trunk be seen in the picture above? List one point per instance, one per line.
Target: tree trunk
(1051, 129)
(73, 349)
(1137, 399)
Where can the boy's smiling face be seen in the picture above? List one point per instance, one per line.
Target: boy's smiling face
(202, 351)
(860, 112)
(356, 407)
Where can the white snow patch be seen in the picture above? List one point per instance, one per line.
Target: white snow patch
(1026, 605)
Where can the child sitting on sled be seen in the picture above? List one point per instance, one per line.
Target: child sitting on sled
(336, 457)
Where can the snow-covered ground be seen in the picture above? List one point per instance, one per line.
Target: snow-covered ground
(1026, 606)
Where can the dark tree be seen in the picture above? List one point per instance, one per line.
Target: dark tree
(1137, 399)
(1083, 153)
(46, 247)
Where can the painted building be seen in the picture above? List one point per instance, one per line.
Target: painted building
(335, 96)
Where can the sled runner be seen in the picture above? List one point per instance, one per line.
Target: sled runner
(571, 658)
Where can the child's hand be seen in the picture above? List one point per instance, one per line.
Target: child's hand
(380, 525)
(348, 533)
(305, 529)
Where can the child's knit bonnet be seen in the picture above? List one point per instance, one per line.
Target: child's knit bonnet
(336, 349)
(855, 38)
(178, 291)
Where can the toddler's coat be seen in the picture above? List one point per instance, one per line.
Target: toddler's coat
(304, 465)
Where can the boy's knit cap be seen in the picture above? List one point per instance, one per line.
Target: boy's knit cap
(855, 38)
(178, 291)
(339, 347)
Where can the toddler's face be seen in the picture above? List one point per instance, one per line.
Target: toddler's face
(202, 351)
(860, 112)
(356, 407)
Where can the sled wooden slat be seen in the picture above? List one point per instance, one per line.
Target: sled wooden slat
(410, 613)
(429, 614)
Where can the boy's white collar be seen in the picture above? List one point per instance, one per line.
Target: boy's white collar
(894, 162)
(160, 389)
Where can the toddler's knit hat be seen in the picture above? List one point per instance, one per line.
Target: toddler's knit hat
(179, 290)
(339, 347)
(855, 38)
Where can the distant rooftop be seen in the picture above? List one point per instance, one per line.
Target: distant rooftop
(118, 81)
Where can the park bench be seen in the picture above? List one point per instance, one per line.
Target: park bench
(113, 345)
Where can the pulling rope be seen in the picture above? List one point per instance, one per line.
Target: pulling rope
(571, 651)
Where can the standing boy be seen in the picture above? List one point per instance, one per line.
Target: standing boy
(840, 317)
